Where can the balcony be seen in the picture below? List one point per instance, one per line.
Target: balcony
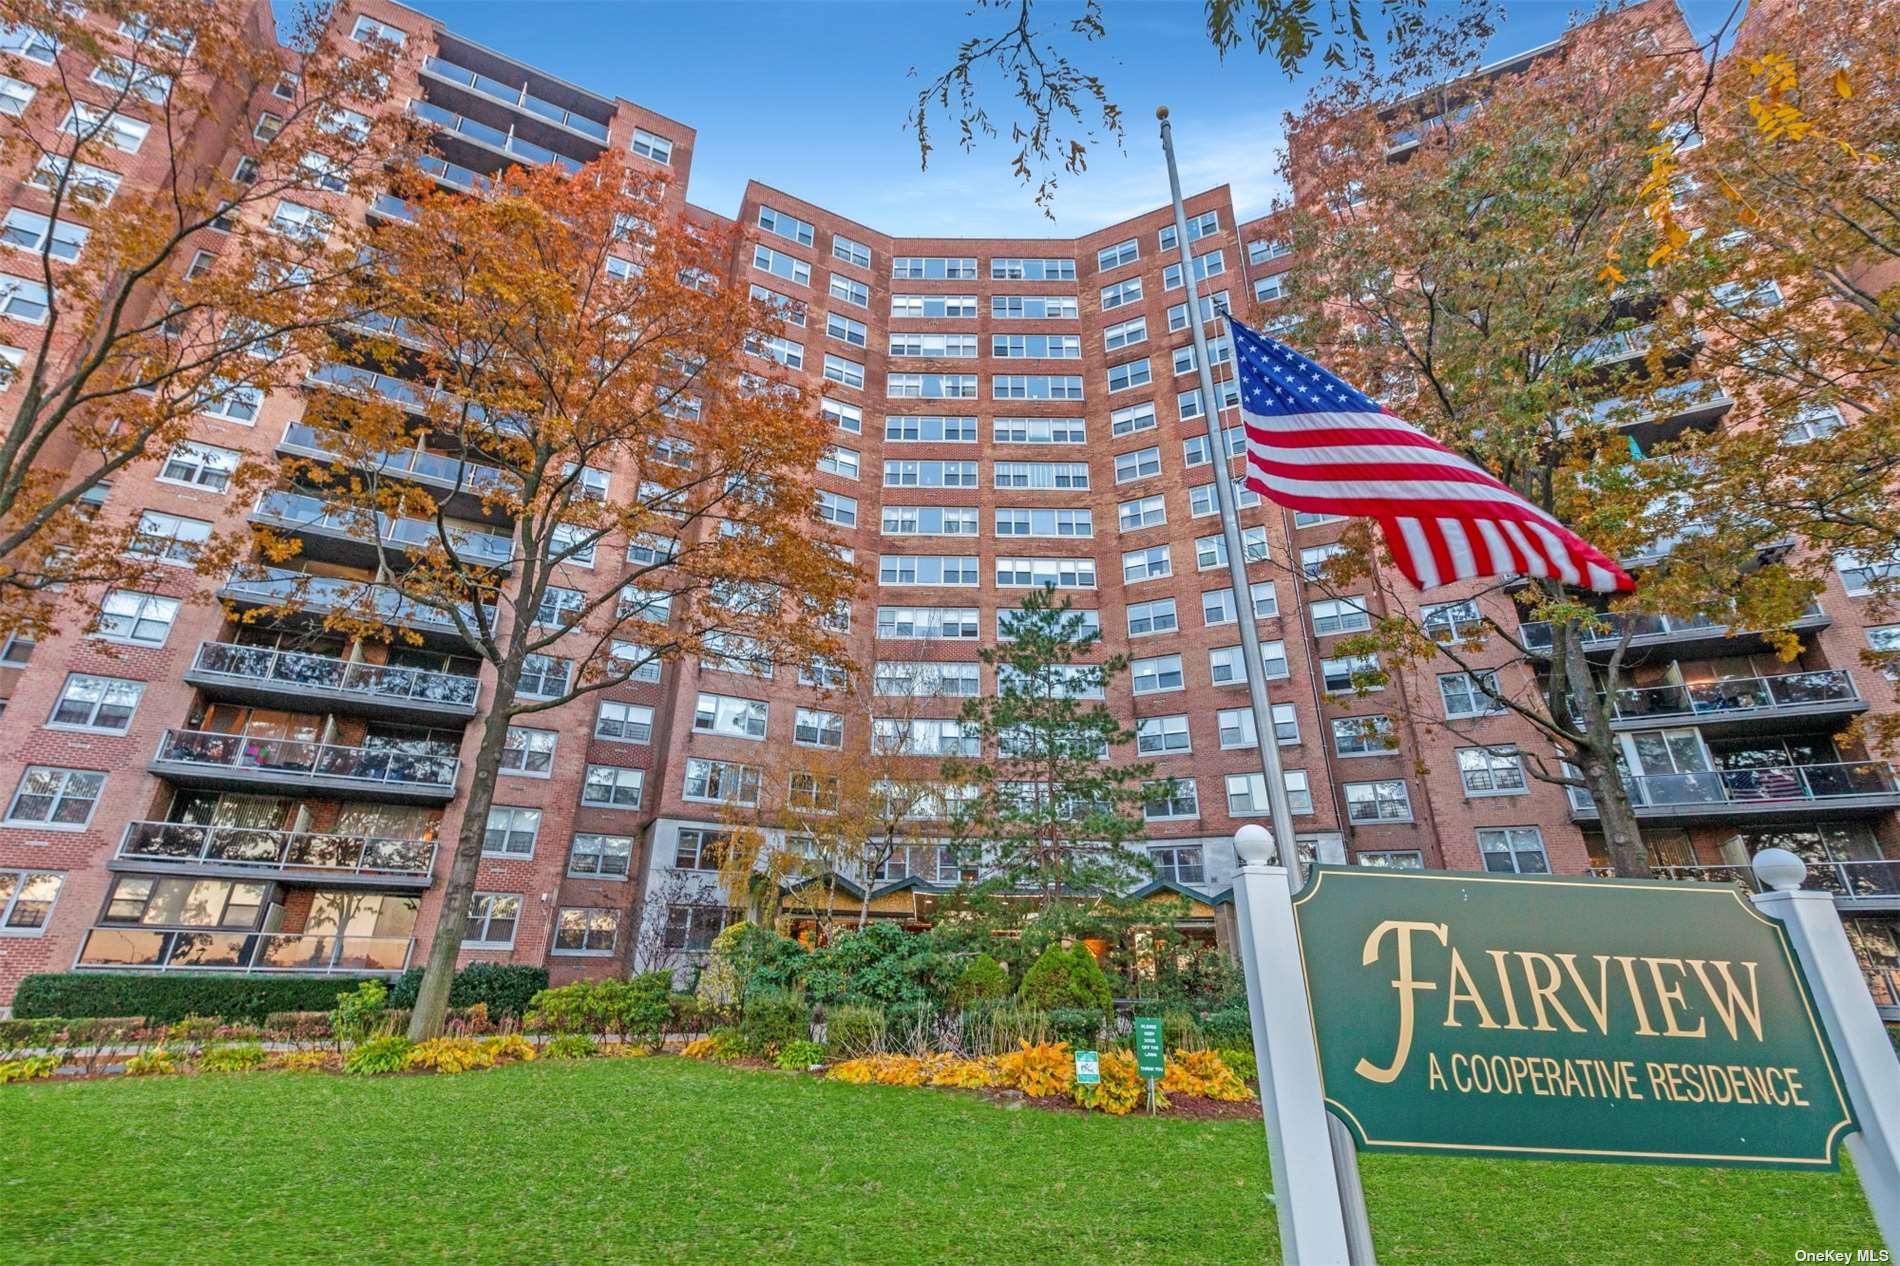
(148, 949)
(242, 762)
(363, 383)
(1770, 793)
(281, 587)
(453, 126)
(388, 206)
(1794, 701)
(1617, 346)
(464, 483)
(1683, 637)
(294, 680)
(1856, 885)
(454, 175)
(515, 98)
(338, 533)
(235, 852)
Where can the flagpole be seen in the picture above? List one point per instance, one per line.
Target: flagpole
(1278, 803)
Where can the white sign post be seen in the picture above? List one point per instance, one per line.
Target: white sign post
(1306, 1191)
(1867, 1062)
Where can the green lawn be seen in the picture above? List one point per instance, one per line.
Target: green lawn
(668, 1160)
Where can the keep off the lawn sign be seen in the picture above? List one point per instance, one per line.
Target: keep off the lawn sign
(1558, 1018)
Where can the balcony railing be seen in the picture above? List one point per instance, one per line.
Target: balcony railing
(300, 759)
(187, 843)
(1617, 345)
(296, 510)
(1736, 695)
(152, 949)
(281, 586)
(465, 178)
(389, 206)
(382, 682)
(1753, 788)
(1536, 634)
(1875, 880)
(1692, 395)
(517, 96)
(490, 137)
(413, 462)
(357, 381)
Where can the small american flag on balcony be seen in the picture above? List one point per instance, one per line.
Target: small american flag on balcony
(1318, 444)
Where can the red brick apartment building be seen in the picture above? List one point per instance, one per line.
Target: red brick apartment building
(1008, 413)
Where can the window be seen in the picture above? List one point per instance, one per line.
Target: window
(927, 569)
(234, 402)
(1140, 464)
(511, 831)
(1384, 801)
(1739, 296)
(935, 346)
(1034, 307)
(699, 849)
(492, 917)
(1518, 849)
(1469, 694)
(104, 704)
(1392, 859)
(781, 350)
(926, 680)
(1046, 475)
(812, 728)
(1812, 422)
(120, 75)
(1036, 386)
(1117, 255)
(1146, 564)
(1270, 289)
(26, 900)
(613, 787)
(1125, 334)
(369, 31)
(693, 928)
(1451, 622)
(1313, 559)
(1158, 735)
(1882, 639)
(1190, 407)
(1217, 605)
(1121, 293)
(29, 42)
(1211, 551)
(84, 182)
(61, 799)
(23, 300)
(1036, 346)
(169, 538)
(1860, 576)
(1339, 615)
(929, 474)
(1146, 618)
(1134, 373)
(1211, 306)
(585, 931)
(1364, 736)
(933, 268)
(786, 226)
(852, 292)
(1038, 573)
(649, 145)
(1142, 512)
(196, 903)
(1211, 264)
(626, 722)
(845, 330)
(1237, 729)
(1224, 664)
(1133, 418)
(1204, 499)
(1170, 798)
(1307, 518)
(31, 232)
(722, 782)
(924, 624)
(929, 429)
(15, 96)
(1247, 794)
(1039, 431)
(1041, 522)
(857, 254)
(1203, 225)
(545, 676)
(930, 521)
(839, 461)
(600, 856)
(141, 618)
(1219, 352)
(724, 714)
(295, 220)
(913, 307)
(1491, 771)
(1355, 673)
(840, 370)
(779, 264)
(834, 508)
(529, 752)
(1260, 250)
(1155, 676)
(1032, 270)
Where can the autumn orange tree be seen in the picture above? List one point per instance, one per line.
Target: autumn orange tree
(171, 262)
(1453, 244)
(570, 338)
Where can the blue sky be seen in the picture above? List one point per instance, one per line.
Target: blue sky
(811, 98)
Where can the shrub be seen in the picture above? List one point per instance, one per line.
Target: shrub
(797, 1056)
(230, 1059)
(962, 1074)
(378, 1055)
(1067, 979)
(361, 1012)
(879, 1070)
(163, 999)
(505, 988)
(1121, 1088)
(1079, 1027)
(307, 1061)
(469, 1021)
(194, 1028)
(152, 1063)
(507, 1048)
(638, 1009)
(698, 1048)
(571, 1046)
(998, 1030)
(1228, 1027)
(1204, 1075)
(981, 980)
(772, 1018)
(32, 1068)
(1241, 1061)
(1037, 1071)
(730, 1044)
(299, 1026)
(21, 1035)
(1179, 1031)
(854, 1031)
(447, 1055)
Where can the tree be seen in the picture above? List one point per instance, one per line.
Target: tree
(142, 312)
(1464, 286)
(578, 347)
(1060, 103)
(1049, 809)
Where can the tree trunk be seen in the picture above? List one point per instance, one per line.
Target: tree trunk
(432, 998)
(1596, 757)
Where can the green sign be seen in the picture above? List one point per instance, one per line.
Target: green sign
(1151, 1058)
(1581, 1019)
(1088, 1068)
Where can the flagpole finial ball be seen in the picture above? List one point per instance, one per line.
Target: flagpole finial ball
(1254, 844)
(1161, 112)
(1780, 870)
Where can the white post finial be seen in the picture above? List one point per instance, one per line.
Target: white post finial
(1779, 870)
(1254, 843)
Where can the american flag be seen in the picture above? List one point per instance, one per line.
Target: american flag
(1318, 444)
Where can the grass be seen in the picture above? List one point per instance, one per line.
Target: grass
(669, 1160)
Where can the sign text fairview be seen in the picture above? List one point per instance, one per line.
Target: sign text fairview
(1578, 1018)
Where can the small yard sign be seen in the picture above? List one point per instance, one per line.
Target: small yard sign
(1088, 1068)
(1151, 1058)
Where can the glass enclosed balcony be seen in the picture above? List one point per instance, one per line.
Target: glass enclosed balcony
(242, 761)
(307, 514)
(279, 586)
(151, 949)
(501, 142)
(435, 470)
(296, 679)
(1764, 791)
(515, 96)
(1655, 631)
(1825, 692)
(332, 857)
(1863, 884)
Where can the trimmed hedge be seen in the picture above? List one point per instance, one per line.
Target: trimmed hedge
(167, 999)
(507, 988)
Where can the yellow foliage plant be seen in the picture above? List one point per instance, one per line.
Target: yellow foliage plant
(1121, 1089)
(508, 1048)
(448, 1055)
(700, 1048)
(1202, 1075)
(1038, 1071)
